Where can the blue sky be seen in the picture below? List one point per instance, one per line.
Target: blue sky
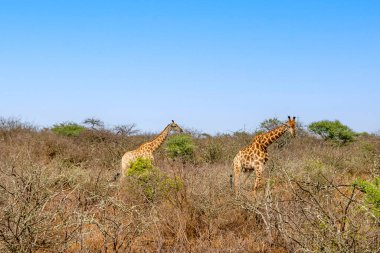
(216, 66)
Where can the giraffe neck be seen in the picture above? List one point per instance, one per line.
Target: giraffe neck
(268, 138)
(157, 142)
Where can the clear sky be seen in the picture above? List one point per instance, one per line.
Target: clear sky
(215, 66)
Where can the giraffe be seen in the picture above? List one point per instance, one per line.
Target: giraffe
(146, 150)
(255, 155)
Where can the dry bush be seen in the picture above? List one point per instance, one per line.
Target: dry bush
(57, 195)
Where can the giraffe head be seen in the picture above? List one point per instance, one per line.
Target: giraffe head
(175, 127)
(291, 123)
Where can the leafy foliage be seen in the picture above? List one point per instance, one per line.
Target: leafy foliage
(141, 168)
(372, 193)
(332, 130)
(153, 183)
(68, 129)
(181, 147)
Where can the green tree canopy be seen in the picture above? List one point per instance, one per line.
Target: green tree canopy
(332, 130)
(68, 129)
(180, 146)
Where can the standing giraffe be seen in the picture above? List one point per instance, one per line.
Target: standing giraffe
(146, 150)
(255, 155)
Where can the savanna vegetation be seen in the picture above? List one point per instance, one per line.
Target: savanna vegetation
(57, 193)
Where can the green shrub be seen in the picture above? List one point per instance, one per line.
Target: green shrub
(372, 193)
(141, 168)
(153, 183)
(68, 129)
(332, 130)
(180, 147)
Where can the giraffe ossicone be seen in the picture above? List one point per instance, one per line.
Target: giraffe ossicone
(255, 155)
(147, 149)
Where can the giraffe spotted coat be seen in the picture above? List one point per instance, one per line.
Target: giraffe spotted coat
(254, 156)
(147, 149)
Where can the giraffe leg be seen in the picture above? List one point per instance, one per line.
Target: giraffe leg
(125, 163)
(124, 166)
(237, 170)
(259, 173)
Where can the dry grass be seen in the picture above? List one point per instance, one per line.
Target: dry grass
(57, 196)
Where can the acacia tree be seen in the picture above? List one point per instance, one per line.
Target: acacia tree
(269, 124)
(94, 123)
(127, 130)
(68, 129)
(332, 130)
